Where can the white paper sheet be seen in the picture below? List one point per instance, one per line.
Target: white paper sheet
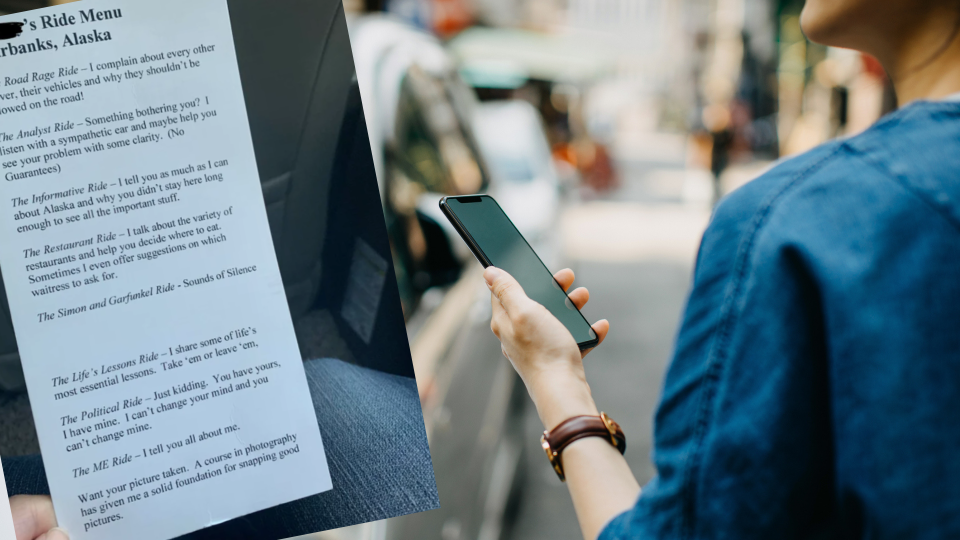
(160, 358)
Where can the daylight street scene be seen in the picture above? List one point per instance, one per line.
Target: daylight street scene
(608, 131)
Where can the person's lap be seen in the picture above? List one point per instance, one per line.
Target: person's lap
(377, 451)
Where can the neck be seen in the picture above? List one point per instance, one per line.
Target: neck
(927, 65)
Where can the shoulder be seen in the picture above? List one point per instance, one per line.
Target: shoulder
(760, 207)
(745, 208)
(840, 195)
(907, 158)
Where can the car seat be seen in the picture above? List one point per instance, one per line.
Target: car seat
(297, 73)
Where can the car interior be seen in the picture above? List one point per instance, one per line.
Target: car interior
(320, 192)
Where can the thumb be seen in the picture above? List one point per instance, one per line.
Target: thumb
(54, 534)
(33, 516)
(506, 289)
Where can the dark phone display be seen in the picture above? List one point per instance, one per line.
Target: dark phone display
(505, 248)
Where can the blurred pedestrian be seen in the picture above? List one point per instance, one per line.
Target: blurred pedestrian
(817, 369)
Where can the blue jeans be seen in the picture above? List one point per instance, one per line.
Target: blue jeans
(376, 445)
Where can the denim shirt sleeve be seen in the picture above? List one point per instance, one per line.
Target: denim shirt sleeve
(741, 434)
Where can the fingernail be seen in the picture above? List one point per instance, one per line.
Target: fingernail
(490, 275)
(57, 532)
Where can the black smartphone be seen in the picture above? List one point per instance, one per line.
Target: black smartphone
(495, 241)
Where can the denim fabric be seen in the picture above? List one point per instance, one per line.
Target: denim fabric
(376, 446)
(815, 386)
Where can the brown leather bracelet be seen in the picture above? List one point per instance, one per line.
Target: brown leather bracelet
(576, 428)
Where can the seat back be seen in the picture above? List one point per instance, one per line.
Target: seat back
(296, 69)
(297, 72)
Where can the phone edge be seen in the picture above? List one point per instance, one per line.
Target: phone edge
(464, 234)
(478, 253)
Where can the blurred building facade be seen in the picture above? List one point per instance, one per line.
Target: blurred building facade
(739, 72)
(824, 92)
(736, 66)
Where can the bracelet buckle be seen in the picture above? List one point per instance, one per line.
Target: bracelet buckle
(552, 456)
(613, 428)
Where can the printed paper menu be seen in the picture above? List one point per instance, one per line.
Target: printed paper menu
(161, 362)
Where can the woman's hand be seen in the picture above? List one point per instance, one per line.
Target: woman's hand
(541, 348)
(33, 518)
(551, 365)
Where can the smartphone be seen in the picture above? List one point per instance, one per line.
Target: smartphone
(495, 241)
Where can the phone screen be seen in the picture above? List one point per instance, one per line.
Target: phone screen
(481, 220)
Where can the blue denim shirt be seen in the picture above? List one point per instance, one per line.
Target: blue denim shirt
(815, 388)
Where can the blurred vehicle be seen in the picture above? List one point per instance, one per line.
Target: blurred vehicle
(524, 178)
(419, 115)
(423, 125)
(552, 72)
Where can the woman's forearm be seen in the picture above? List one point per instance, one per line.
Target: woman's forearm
(547, 358)
(600, 481)
(601, 484)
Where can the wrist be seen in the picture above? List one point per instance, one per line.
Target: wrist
(560, 396)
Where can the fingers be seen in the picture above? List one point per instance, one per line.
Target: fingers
(602, 328)
(32, 516)
(564, 278)
(506, 289)
(580, 297)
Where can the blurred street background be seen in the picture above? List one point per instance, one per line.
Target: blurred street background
(607, 129)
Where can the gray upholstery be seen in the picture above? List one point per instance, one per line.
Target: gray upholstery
(11, 376)
(297, 69)
(16, 6)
